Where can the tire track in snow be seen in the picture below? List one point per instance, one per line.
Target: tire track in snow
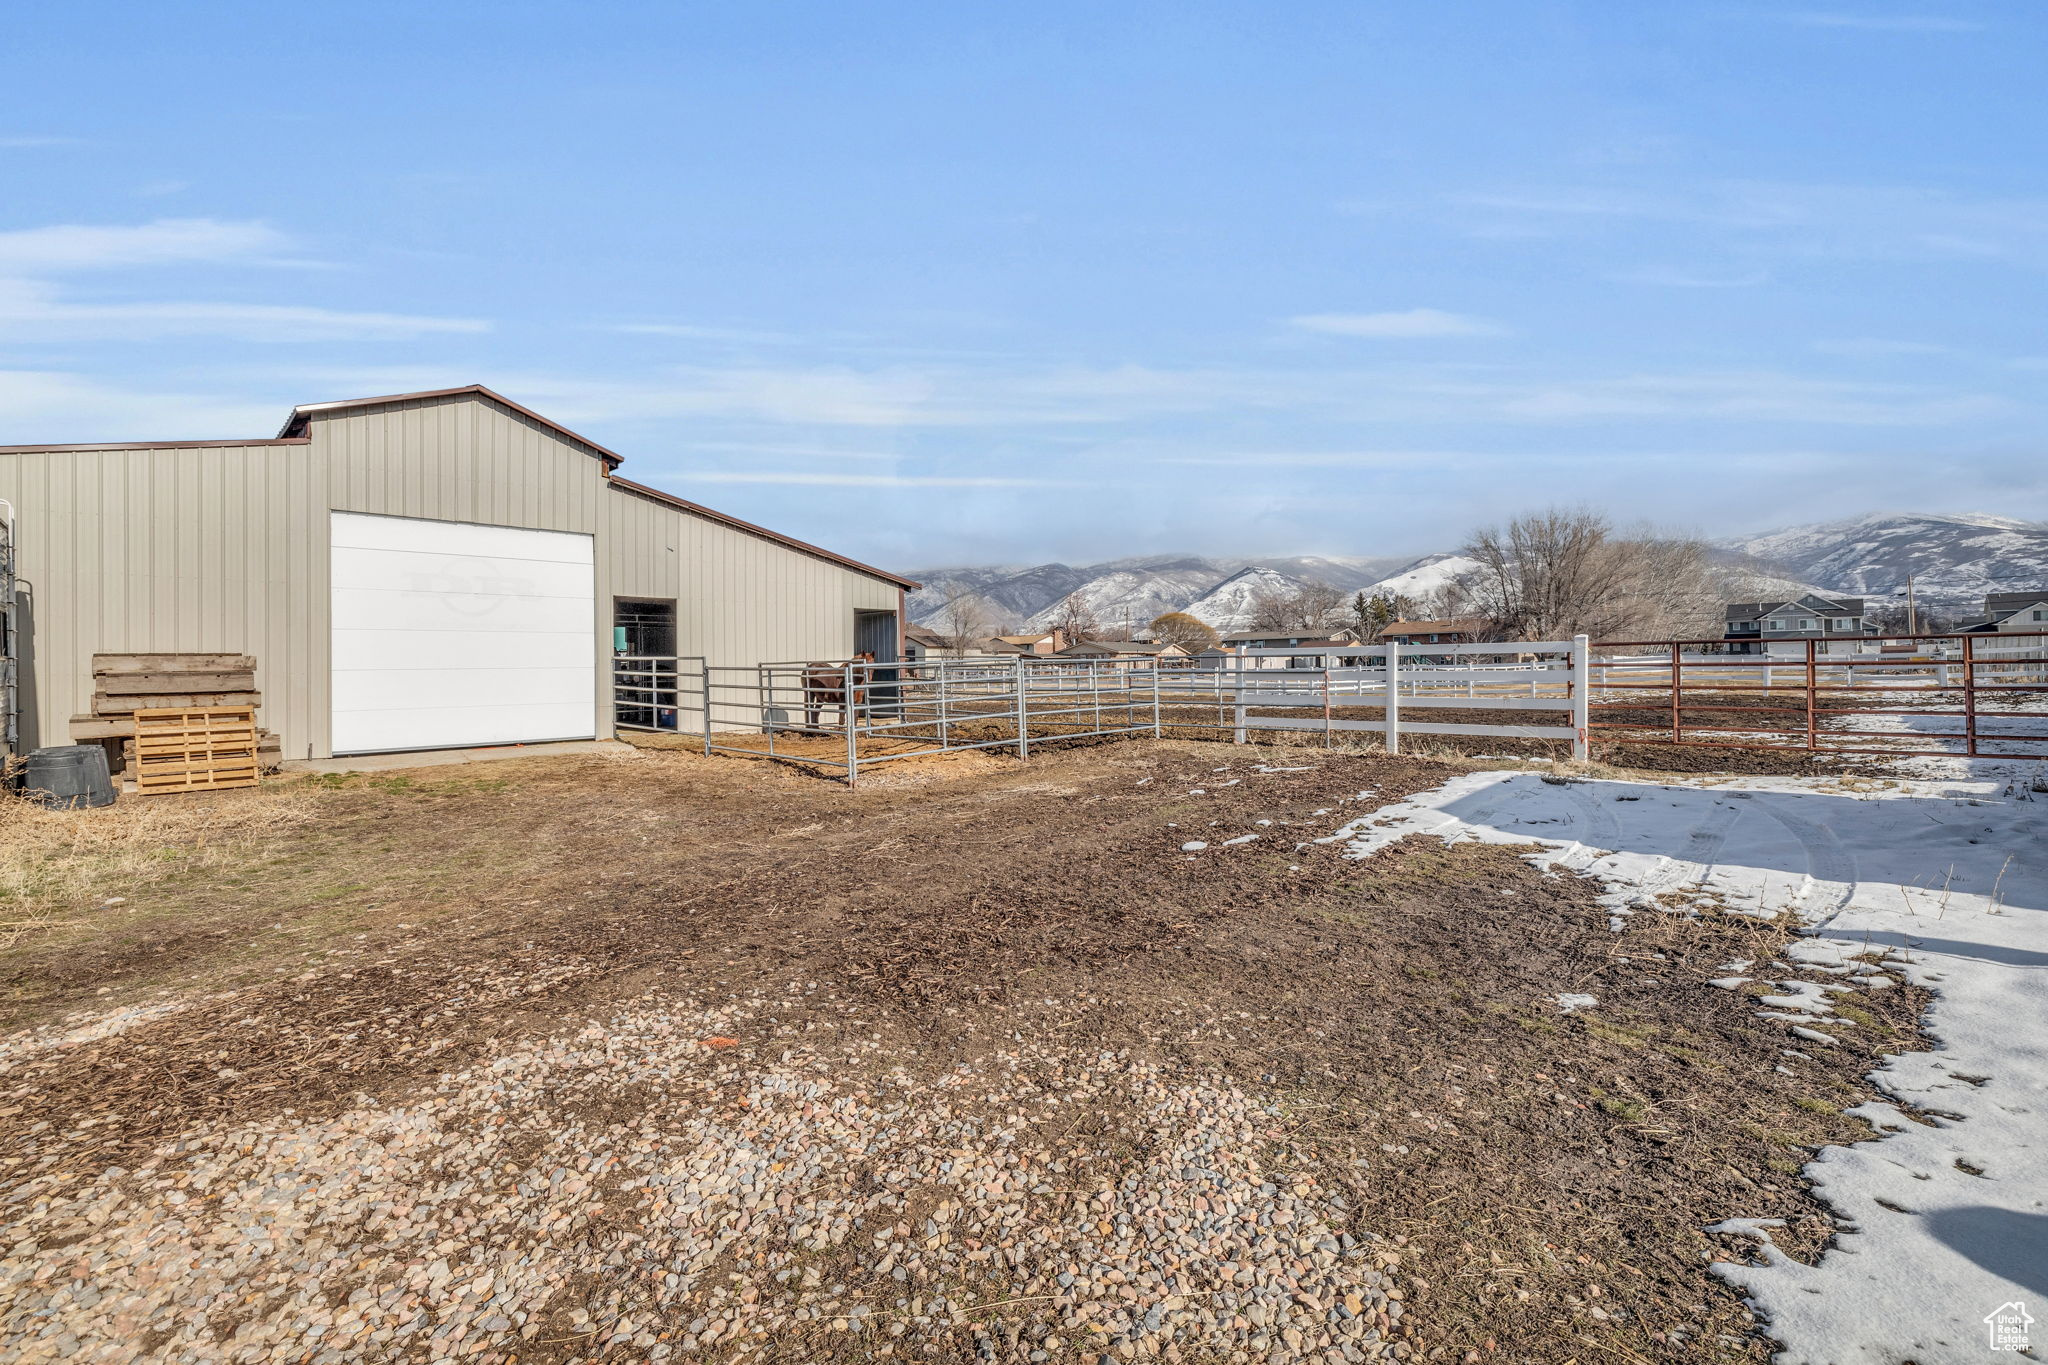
(1830, 868)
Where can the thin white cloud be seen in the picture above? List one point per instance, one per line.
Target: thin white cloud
(1881, 23)
(32, 311)
(1741, 396)
(799, 406)
(1671, 278)
(46, 250)
(1879, 347)
(1864, 222)
(867, 480)
(72, 409)
(690, 331)
(1415, 322)
(1324, 459)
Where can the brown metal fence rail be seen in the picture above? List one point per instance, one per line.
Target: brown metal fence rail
(1961, 695)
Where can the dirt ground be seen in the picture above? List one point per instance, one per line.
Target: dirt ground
(1546, 1175)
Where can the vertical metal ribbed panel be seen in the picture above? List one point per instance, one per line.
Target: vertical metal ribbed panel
(740, 598)
(225, 549)
(209, 549)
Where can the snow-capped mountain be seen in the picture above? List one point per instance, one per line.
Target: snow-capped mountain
(1128, 593)
(1954, 558)
(1427, 575)
(1233, 604)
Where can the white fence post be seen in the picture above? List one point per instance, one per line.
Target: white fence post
(1237, 734)
(850, 718)
(1023, 717)
(1582, 696)
(1393, 708)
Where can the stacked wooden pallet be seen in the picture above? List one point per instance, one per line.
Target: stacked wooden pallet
(195, 749)
(124, 684)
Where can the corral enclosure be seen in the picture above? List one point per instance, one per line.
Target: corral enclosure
(842, 715)
(1947, 695)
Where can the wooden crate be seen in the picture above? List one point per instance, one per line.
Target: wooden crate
(202, 748)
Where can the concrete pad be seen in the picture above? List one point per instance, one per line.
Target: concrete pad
(436, 758)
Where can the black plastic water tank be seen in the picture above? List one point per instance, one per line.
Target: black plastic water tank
(68, 777)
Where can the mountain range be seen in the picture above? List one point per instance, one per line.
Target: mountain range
(1953, 559)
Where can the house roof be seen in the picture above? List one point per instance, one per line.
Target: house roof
(923, 635)
(1120, 647)
(1023, 639)
(1248, 636)
(1449, 626)
(1809, 602)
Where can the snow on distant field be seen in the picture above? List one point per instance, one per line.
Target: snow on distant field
(1944, 1218)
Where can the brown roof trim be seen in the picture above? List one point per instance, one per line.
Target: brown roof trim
(296, 424)
(160, 445)
(698, 509)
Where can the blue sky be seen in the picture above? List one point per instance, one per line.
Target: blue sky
(966, 283)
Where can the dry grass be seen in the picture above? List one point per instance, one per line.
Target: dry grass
(57, 863)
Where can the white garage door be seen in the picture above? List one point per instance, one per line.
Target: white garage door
(447, 634)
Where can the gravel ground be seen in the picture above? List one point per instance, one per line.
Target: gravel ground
(683, 1182)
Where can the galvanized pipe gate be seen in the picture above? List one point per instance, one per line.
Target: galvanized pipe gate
(845, 715)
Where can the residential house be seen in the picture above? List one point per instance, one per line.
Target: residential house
(1124, 653)
(1449, 630)
(1837, 622)
(1047, 642)
(1333, 641)
(922, 642)
(2010, 613)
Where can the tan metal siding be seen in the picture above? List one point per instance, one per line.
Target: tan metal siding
(209, 550)
(457, 460)
(225, 549)
(740, 598)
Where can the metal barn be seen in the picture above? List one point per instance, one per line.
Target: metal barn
(417, 571)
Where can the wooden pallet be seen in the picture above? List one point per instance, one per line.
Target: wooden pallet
(201, 748)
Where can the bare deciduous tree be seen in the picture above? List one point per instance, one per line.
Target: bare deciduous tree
(962, 619)
(1310, 605)
(1075, 620)
(1191, 633)
(1562, 572)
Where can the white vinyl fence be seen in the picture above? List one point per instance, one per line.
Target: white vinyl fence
(1441, 679)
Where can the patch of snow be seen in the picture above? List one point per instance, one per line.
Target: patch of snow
(1572, 1001)
(1947, 882)
(1193, 846)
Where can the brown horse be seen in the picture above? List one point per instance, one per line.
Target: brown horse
(825, 685)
